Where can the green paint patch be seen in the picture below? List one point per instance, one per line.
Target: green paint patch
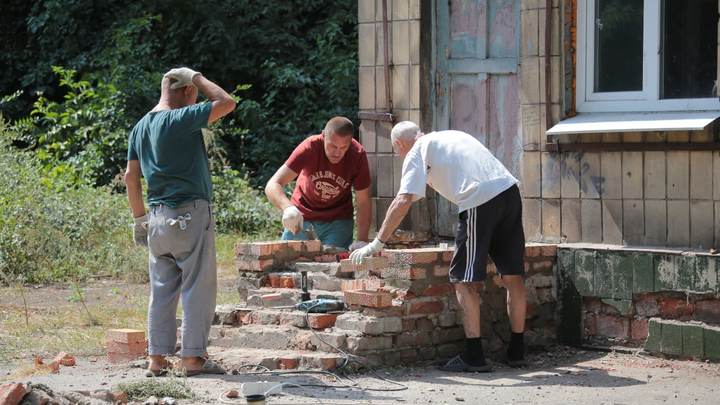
(643, 273)
(692, 337)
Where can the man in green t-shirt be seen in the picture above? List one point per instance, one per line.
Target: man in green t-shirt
(166, 147)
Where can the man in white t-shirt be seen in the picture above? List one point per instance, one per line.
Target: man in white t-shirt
(463, 171)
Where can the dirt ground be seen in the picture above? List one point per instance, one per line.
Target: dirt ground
(565, 376)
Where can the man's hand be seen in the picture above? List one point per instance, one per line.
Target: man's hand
(292, 219)
(140, 233)
(183, 77)
(358, 245)
(373, 247)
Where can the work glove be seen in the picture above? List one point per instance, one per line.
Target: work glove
(183, 77)
(292, 219)
(140, 233)
(371, 248)
(357, 245)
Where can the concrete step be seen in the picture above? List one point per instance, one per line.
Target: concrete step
(278, 337)
(231, 315)
(239, 359)
(268, 297)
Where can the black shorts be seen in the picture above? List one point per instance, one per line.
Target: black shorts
(494, 228)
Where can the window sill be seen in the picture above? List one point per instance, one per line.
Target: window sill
(593, 123)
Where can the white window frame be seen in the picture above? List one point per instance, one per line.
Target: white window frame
(587, 100)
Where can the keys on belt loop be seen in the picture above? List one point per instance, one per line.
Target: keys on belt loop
(181, 221)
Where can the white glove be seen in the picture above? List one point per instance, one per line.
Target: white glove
(373, 247)
(183, 77)
(292, 219)
(140, 233)
(357, 245)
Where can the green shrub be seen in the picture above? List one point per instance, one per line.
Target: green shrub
(52, 229)
(241, 209)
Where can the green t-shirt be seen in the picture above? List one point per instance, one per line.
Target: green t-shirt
(169, 145)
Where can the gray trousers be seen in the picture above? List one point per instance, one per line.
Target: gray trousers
(181, 242)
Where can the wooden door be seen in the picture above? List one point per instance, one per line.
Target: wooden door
(476, 83)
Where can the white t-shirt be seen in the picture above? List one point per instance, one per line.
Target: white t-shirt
(457, 166)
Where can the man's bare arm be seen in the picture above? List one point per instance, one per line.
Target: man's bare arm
(394, 216)
(134, 188)
(275, 187)
(364, 213)
(222, 102)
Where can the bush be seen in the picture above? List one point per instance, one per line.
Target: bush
(239, 208)
(57, 230)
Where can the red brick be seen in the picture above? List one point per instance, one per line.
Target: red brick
(126, 348)
(425, 307)
(543, 265)
(374, 299)
(646, 305)
(295, 245)
(639, 329)
(366, 284)
(593, 305)
(589, 324)
(329, 258)
(250, 263)
(675, 308)
(270, 298)
(122, 357)
(65, 359)
(708, 311)
(288, 363)
(447, 256)
(328, 363)
(120, 397)
(549, 251)
(404, 273)
(126, 335)
(260, 249)
(533, 251)
(369, 264)
(613, 326)
(11, 393)
(413, 256)
(273, 280)
(409, 324)
(439, 289)
(322, 321)
(441, 270)
(287, 282)
(424, 324)
(312, 246)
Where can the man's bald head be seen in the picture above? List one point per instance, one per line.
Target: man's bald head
(403, 136)
(340, 126)
(180, 97)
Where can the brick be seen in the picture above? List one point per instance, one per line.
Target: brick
(671, 338)
(548, 251)
(413, 256)
(404, 272)
(438, 289)
(374, 299)
(613, 326)
(533, 251)
(363, 284)
(447, 256)
(422, 307)
(295, 245)
(711, 342)
(639, 329)
(277, 300)
(692, 341)
(621, 307)
(248, 263)
(12, 393)
(126, 335)
(654, 340)
(441, 270)
(260, 249)
(287, 282)
(288, 363)
(675, 308)
(647, 306)
(65, 359)
(441, 336)
(362, 343)
(369, 264)
(707, 311)
(322, 321)
(126, 348)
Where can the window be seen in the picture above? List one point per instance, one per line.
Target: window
(647, 55)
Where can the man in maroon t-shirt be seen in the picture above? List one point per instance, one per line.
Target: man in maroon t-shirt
(326, 166)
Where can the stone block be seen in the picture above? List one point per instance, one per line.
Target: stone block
(692, 341)
(679, 177)
(591, 181)
(374, 299)
(125, 335)
(591, 220)
(356, 322)
(611, 179)
(654, 175)
(711, 342)
(655, 222)
(701, 175)
(632, 171)
(654, 339)
(672, 338)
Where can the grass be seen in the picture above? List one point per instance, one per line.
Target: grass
(166, 387)
(75, 317)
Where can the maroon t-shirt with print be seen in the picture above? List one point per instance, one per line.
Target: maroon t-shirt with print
(322, 192)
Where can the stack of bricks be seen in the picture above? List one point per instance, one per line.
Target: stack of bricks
(265, 256)
(125, 345)
(406, 309)
(619, 291)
